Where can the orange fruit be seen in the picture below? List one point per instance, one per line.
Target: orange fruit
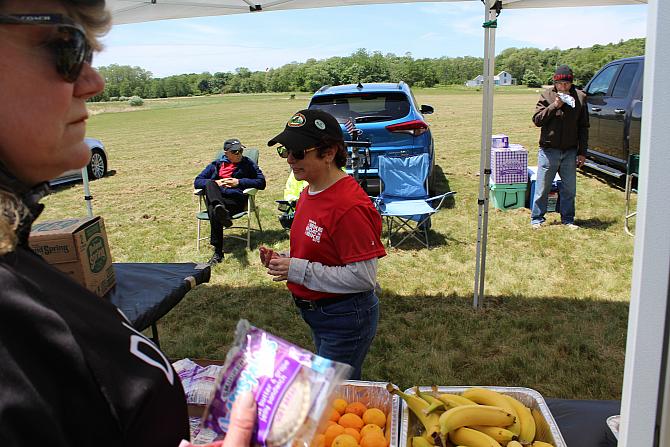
(370, 429)
(374, 416)
(353, 432)
(351, 420)
(373, 440)
(318, 441)
(356, 408)
(345, 440)
(331, 433)
(340, 405)
(334, 415)
(324, 425)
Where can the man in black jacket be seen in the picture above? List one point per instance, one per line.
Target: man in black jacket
(562, 114)
(224, 181)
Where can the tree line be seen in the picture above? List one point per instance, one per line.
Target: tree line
(529, 66)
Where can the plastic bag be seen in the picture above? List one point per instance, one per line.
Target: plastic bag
(291, 386)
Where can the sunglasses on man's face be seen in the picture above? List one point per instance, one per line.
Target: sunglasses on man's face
(297, 154)
(236, 151)
(68, 44)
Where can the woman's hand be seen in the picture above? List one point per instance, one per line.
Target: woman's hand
(242, 421)
(278, 267)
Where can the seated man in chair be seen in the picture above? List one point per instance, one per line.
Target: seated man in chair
(223, 182)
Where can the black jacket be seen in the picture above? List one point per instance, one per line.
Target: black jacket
(565, 127)
(73, 371)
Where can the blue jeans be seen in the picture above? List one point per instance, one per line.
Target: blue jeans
(549, 162)
(343, 331)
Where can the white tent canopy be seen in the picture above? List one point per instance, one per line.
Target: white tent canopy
(133, 11)
(645, 405)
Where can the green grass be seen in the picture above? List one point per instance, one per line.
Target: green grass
(556, 303)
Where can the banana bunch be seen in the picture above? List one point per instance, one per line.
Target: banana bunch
(478, 417)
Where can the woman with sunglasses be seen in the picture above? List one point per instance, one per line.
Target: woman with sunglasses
(335, 242)
(73, 371)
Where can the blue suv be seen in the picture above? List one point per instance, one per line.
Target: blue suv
(386, 115)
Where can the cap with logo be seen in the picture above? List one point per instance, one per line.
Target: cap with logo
(563, 73)
(232, 144)
(306, 128)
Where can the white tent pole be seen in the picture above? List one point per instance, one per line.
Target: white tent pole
(87, 192)
(485, 156)
(645, 371)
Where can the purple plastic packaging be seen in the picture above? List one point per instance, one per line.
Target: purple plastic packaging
(269, 366)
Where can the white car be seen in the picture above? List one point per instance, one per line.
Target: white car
(97, 167)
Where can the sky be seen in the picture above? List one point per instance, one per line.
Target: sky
(271, 39)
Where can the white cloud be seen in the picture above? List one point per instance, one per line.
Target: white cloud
(572, 27)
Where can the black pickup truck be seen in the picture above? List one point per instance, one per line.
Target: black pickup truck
(614, 98)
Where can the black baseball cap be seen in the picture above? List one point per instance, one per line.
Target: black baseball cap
(307, 128)
(563, 73)
(232, 144)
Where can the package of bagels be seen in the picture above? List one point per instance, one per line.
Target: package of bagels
(291, 386)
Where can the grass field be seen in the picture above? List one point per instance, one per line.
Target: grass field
(556, 303)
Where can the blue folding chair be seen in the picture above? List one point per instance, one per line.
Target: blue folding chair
(404, 202)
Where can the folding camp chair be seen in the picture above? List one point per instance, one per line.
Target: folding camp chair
(632, 172)
(292, 191)
(201, 215)
(404, 202)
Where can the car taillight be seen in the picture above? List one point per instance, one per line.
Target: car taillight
(414, 127)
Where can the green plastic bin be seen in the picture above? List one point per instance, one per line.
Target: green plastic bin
(507, 196)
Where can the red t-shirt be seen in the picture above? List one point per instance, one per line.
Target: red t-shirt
(226, 170)
(336, 227)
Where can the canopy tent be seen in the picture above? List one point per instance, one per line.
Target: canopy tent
(132, 11)
(646, 393)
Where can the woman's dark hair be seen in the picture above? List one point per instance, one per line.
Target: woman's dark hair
(340, 154)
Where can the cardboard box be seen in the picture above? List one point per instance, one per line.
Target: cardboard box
(499, 140)
(77, 247)
(509, 164)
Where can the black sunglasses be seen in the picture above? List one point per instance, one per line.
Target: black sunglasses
(69, 46)
(235, 151)
(297, 154)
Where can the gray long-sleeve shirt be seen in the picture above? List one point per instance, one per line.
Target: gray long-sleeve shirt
(351, 278)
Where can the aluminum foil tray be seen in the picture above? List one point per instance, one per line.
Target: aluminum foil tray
(373, 394)
(547, 432)
(613, 424)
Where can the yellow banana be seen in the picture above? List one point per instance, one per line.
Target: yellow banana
(452, 400)
(485, 396)
(502, 435)
(514, 444)
(420, 441)
(541, 444)
(474, 415)
(418, 406)
(472, 438)
(526, 421)
(435, 403)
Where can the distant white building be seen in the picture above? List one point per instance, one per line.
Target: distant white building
(502, 78)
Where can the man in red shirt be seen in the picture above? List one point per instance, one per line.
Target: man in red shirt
(224, 181)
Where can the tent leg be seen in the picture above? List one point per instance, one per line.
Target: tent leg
(485, 156)
(87, 191)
